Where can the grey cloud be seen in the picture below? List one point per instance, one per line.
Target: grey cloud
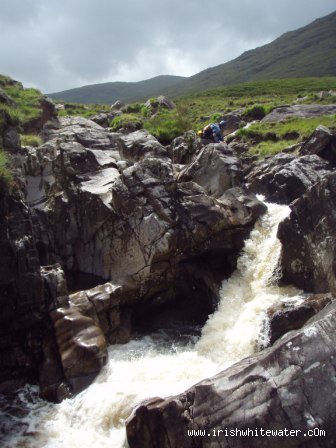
(56, 45)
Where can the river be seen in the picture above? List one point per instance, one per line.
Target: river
(162, 364)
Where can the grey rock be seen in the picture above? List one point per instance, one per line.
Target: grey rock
(323, 143)
(274, 389)
(309, 241)
(285, 177)
(139, 145)
(300, 111)
(292, 315)
(214, 168)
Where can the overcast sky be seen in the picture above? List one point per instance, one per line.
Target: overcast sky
(60, 44)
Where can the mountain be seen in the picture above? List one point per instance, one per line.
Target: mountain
(109, 92)
(306, 52)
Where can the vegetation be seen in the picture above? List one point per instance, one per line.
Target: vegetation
(167, 125)
(27, 108)
(31, 140)
(129, 121)
(83, 110)
(5, 174)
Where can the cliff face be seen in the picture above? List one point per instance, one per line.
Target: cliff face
(109, 208)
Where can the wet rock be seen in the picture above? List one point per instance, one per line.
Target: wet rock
(82, 346)
(184, 148)
(285, 177)
(275, 389)
(323, 143)
(215, 168)
(309, 241)
(292, 315)
(139, 145)
(300, 111)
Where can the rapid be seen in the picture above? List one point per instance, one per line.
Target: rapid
(161, 364)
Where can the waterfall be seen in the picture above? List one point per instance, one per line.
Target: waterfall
(155, 365)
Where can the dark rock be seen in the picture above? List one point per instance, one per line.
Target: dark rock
(184, 148)
(82, 346)
(285, 177)
(6, 99)
(323, 143)
(103, 119)
(232, 123)
(139, 145)
(215, 168)
(286, 316)
(11, 138)
(300, 111)
(309, 240)
(287, 386)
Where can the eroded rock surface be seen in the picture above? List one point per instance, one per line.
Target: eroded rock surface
(286, 177)
(112, 207)
(300, 111)
(309, 240)
(288, 386)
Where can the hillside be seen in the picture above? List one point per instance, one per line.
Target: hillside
(109, 92)
(306, 52)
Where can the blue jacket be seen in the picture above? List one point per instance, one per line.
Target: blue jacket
(216, 132)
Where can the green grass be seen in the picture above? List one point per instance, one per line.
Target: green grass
(285, 130)
(83, 110)
(269, 148)
(5, 174)
(31, 140)
(252, 100)
(131, 121)
(27, 101)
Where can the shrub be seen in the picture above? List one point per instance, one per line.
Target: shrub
(31, 140)
(128, 121)
(168, 125)
(256, 112)
(5, 174)
(132, 108)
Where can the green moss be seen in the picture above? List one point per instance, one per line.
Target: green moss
(31, 140)
(5, 174)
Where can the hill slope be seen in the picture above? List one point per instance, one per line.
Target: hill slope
(111, 91)
(307, 51)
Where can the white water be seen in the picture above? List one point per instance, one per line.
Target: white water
(157, 366)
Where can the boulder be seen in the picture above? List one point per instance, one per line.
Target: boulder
(214, 168)
(284, 177)
(160, 102)
(309, 240)
(82, 347)
(287, 387)
(117, 105)
(139, 145)
(232, 123)
(182, 149)
(300, 111)
(323, 143)
(292, 315)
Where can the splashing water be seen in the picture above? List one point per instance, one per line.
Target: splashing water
(156, 366)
